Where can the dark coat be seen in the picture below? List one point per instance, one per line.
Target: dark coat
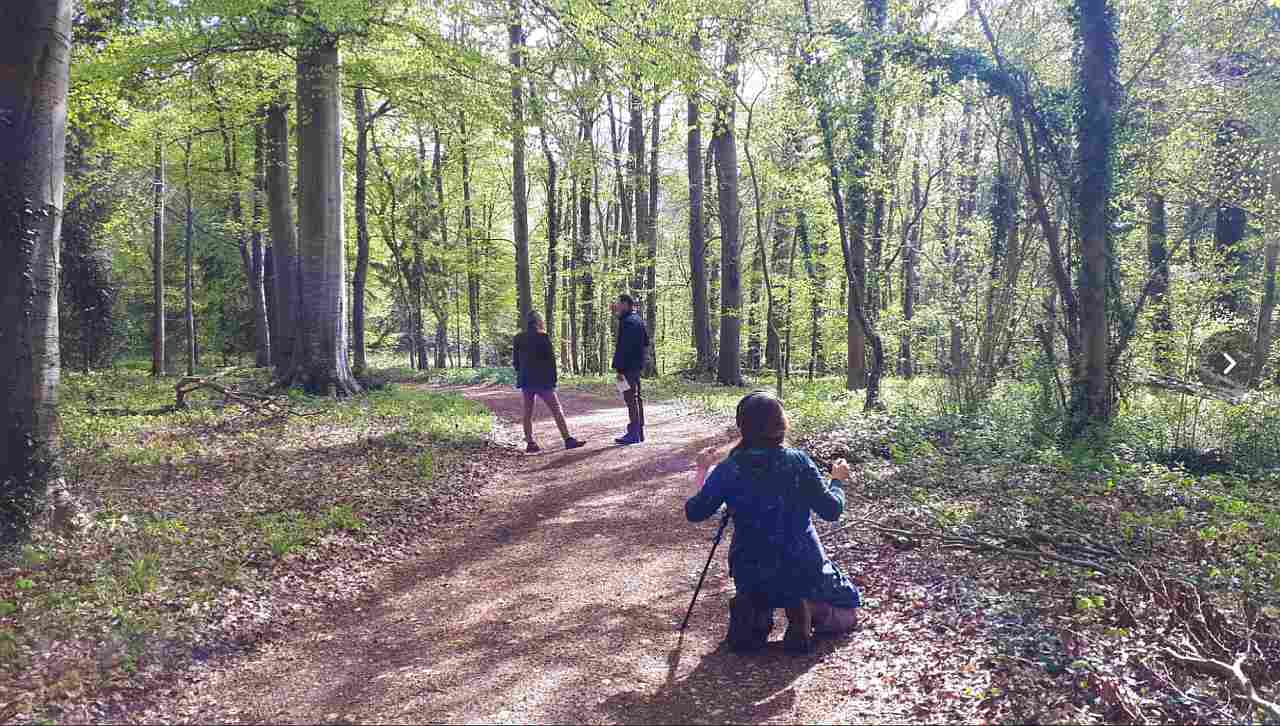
(775, 550)
(633, 338)
(534, 359)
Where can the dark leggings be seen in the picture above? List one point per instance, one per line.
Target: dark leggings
(635, 399)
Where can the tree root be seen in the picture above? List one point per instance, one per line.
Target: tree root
(256, 402)
(1232, 672)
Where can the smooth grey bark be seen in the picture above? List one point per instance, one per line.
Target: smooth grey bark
(592, 361)
(1265, 332)
(1091, 396)
(157, 261)
(360, 275)
(640, 188)
(697, 228)
(321, 365)
(189, 254)
(35, 49)
(257, 261)
(284, 241)
(519, 192)
(553, 234)
(473, 255)
(651, 246)
(729, 370)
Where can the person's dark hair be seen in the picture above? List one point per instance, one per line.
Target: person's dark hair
(627, 299)
(761, 421)
(533, 321)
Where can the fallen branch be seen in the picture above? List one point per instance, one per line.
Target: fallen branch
(256, 402)
(1233, 672)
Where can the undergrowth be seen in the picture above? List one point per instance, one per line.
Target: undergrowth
(191, 513)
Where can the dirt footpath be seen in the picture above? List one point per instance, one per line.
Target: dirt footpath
(558, 602)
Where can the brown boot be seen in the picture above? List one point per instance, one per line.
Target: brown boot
(799, 637)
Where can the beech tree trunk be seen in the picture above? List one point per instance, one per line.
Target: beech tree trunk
(651, 250)
(1091, 397)
(361, 274)
(553, 234)
(1262, 347)
(284, 241)
(729, 372)
(189, 315)
(591, 356)
(257, 261)
(697, 229)
(321, 364)
(157, 262)
(35, 49)
(520, 201)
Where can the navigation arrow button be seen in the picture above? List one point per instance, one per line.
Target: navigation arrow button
(1232, 364)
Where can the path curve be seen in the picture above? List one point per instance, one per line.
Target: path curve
(557, 603)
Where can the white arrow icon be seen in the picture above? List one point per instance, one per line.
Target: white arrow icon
(1232, 364)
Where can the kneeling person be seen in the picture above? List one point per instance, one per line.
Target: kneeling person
(776, 559)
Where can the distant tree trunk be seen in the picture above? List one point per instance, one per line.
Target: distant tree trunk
(472, 247)
(697, 228)
(553, 233)
(1091, 397)
(726, 152)
(753, 313)
(815, 294)
(442, 314)
(773, 327)
(157, 262)
(520, 202)
(651, 254)
(321, 364)
(1229, 228)
(1158, 269)
(958, 363)
(575, 262)
(35, 40)
(257, 262)
(640, 188)
(189, 315)
(860, 331)
(591, 362)
(361, 274)
(625, 242)
(1003, 238)
(911, 257)
(284, 241)
(1262, 347)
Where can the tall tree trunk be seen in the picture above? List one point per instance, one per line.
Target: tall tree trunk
(911, 256)
(553, 234)
(257, 262)
(773, 326)
(651, 250)
(1158, 269)
(697, 227)
(157, 262)
(860, 331)
(625, 242)
(321, 365)
(284, 241)
(591, 361)
(575, 263)
(1262, 346)
(1231, 221)
(189, 315)
(1091, 397)
(640, 188)
(361, 273)
(519, 196)
(35, 51)
(815, 294)
(437, 180)
(472, 247)
(753, 312)
(729, 372)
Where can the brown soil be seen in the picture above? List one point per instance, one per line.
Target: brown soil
(559, 601)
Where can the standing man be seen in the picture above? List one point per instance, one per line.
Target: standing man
(628, 362)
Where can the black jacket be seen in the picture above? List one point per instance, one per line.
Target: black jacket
(628, 354)
(534, 359)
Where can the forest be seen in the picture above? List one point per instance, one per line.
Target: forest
(1015, 259)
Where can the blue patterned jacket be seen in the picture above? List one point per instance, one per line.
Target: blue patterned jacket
(775, 550)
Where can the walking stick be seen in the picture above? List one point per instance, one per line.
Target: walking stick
(715, 542)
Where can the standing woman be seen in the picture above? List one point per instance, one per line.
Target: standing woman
(534, 359)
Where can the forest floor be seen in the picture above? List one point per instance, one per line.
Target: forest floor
(549, 588)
